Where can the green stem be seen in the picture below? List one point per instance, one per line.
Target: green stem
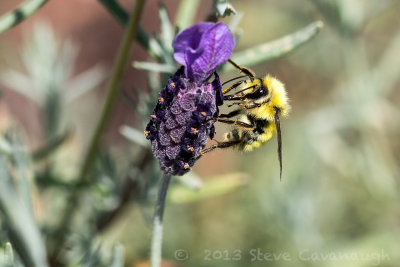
(114, 86)
(156, 240)
(16, 16)
(113, 93)
(120, 14)
(116, 10)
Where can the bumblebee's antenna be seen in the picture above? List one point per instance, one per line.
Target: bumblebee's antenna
(279, 136)
(246, 71)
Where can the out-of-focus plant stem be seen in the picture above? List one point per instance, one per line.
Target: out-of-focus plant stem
(16, 16)
(156, 240)
(114, 87)
(113, 93)
(119, 13)
(116, 10)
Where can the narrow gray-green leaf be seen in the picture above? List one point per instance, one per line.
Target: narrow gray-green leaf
(275, 49)
(186, 13)
(9, 255)
(52, 145)
(134, 135)
(5, 146)
(85, 82)
(20, 83)
(154, 80)
(23, 170)
(388, 67)
(118, 256)
(22, 228)
(122, 16)
(212, 187)
(154, 67)
(167, 31)
(234, 22)
(167, 54)
(156, 50)
(93, 257)
(16, 16)
(191, 180)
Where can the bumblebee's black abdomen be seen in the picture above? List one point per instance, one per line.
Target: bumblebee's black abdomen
(248, 140)
(260, 126)
(262, 132)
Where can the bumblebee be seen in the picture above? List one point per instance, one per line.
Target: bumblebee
(260, 103)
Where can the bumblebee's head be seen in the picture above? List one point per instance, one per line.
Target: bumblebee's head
(277, 96)
(268, 95)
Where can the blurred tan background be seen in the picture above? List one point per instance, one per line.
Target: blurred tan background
(339, 193)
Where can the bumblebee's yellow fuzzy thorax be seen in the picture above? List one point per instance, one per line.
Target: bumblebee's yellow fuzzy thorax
(278, 94)
(277, 98)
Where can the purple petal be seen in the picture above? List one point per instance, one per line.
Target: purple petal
(202, 47)
(189, 38)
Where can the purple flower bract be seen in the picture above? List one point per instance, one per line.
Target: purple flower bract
(183, 118)
(202, 47)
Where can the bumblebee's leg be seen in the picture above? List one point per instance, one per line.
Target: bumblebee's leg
(238, 95)
(235, 85)
(207, 149)
(234, 98)
(228, 143)
(219, 145)
(230, 114)
(245, 125)
(252, 106)
(236, 103)
(244, 105)
(244, 70)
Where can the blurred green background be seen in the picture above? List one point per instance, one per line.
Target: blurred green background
(338, 201)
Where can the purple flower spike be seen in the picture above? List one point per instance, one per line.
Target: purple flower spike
(182, 122)
(183, 119)
(202, 47)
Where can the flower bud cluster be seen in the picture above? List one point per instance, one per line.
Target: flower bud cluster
(182, 121)
(184, 116)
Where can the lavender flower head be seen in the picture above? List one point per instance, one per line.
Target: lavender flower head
(182, 121)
